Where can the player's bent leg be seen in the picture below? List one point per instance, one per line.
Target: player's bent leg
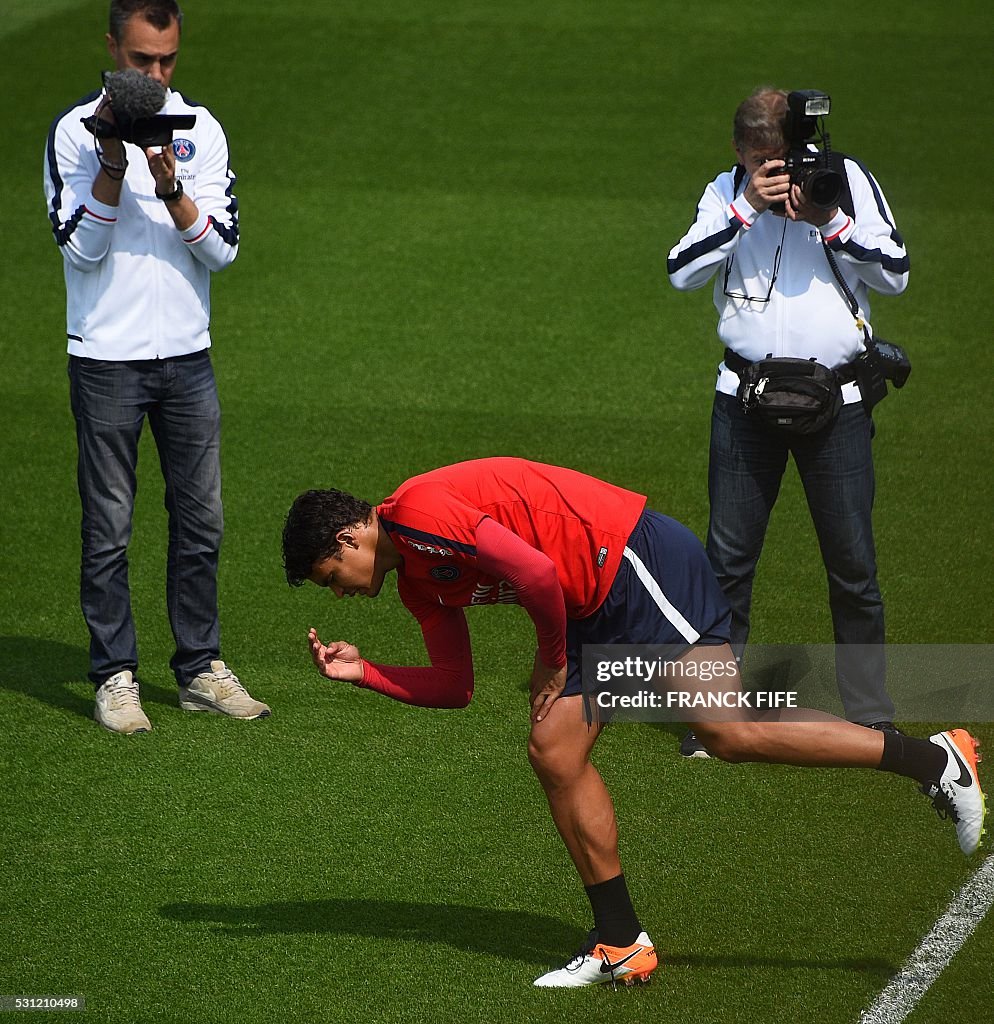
(559, 751)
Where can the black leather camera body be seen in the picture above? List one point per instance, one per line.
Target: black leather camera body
(889, 360)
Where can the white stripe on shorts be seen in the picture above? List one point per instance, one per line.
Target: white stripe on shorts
(686, 630)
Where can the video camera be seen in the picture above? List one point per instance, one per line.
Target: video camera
(809, 168)
(156, 130)
(136, 99)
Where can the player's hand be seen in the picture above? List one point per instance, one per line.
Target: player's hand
(338, 660)
(162, 164)
(767, 186)
(546, 686)
(799, 208)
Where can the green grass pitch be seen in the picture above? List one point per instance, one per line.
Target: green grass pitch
(455, 218)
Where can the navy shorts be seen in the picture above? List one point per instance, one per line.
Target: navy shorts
(665, 593)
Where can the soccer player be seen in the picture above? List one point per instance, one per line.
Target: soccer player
(589, 564)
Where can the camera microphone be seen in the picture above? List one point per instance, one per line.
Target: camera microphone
(133, 95)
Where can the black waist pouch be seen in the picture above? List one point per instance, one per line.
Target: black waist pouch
(794, 396)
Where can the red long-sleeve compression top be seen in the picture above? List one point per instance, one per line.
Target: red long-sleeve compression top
(492, 531)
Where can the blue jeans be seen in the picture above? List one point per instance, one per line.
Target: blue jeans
(835, 465)
(110, 402)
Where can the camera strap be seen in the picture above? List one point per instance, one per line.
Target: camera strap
(872, 383)
(844, 285)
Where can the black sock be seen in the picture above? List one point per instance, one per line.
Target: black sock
(912, 757)
(614, 915)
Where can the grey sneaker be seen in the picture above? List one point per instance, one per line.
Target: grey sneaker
(220, 691)
(118, 707)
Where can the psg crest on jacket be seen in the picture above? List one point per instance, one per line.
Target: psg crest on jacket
(184, 149)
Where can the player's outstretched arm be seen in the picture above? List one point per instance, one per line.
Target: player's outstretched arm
(338, 660)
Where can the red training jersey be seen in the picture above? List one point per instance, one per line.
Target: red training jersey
(499, 530)
(581, 523)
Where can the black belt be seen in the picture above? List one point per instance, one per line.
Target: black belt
(846, 373)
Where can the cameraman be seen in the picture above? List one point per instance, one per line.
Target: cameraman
(761, 239)
(140, 231)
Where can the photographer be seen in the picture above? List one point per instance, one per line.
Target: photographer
(140, 228)
(766, 243)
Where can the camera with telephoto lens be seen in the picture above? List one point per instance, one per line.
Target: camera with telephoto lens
(808, 168)
(889, 360)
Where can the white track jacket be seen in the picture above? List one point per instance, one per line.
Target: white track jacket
(807, 315)
(136, 287)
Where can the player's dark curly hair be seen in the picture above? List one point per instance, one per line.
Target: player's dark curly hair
(159, 13)
(311, 528)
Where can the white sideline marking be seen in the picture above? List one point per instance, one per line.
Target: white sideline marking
(929, 960)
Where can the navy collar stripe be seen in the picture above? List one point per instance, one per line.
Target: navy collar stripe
(429, 538)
